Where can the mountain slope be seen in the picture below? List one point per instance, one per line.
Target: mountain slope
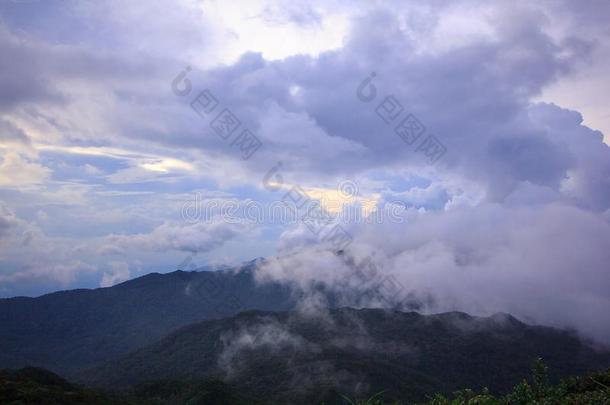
(32, 385)
(68, 330)
(296, 358)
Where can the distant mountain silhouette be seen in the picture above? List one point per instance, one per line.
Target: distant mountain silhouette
(292, 357)
(68, 330)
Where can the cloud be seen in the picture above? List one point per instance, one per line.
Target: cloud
(267, 334)
(30, 257)
(194, 238)
(64, 273)
(119, 272)
(8, 220)
(18, 171)
(475, 97)
(490, 134)
(545, 263)
(10, 134)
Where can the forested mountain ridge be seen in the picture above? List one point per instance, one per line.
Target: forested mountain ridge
(68, 330)
(294, 357)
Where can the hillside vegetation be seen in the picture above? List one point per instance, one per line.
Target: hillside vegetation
(592, 389)
(67, 331)
(298, 358)
(38, 386)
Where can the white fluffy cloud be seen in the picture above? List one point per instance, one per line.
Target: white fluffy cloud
(195, 238)
(18, 171)
(545, 263)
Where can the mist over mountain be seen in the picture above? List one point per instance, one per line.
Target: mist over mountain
(180, 329)
(300, 357)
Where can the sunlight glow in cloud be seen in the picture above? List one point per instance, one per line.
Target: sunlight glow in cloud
(277, 29)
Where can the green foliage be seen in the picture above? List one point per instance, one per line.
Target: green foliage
(374, 400)
(590, 390)
(38, 386)
(32, 385)
(593, 390)
(409, 355)
(69, 331)
(206, 392)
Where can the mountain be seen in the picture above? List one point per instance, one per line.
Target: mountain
(208, 334)
(38, 386)
(307, 358)
(66, 331)
(32, 385)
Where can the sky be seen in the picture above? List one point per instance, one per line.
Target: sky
(462, 145)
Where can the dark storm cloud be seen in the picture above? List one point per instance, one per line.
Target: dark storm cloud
(475, 98)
